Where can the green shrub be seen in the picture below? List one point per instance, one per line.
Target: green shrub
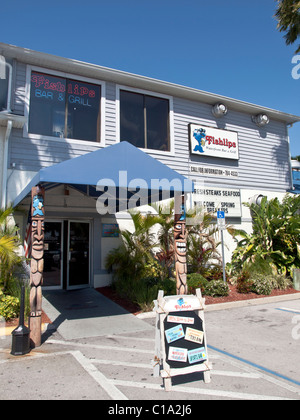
(14, 288)
(144, 290)
(216, 288)
(258, 265)
(281, 282)
(196, 281)
(262, 285)
(9, 306)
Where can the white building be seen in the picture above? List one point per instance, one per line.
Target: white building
(54, 110)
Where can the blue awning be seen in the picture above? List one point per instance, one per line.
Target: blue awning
(121, 172)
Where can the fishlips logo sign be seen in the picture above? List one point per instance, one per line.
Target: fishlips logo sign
(208, 141)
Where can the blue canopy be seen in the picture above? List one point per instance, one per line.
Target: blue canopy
(122, 172)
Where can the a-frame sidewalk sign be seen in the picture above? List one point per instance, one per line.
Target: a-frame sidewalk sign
(180, 339)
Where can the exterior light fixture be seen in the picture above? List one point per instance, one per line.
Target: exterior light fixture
(260, 120)
(219, 110)
(256, 199)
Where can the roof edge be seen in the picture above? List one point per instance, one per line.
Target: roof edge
(139, 81)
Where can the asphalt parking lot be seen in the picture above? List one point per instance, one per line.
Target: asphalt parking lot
(254, 351)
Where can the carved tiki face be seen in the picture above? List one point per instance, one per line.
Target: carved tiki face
(180, 236)
(37, 236)
(37, 253)
(37, 227)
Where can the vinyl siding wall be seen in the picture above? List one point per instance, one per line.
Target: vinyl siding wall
(263, 153)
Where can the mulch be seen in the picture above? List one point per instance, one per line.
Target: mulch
(233, 296)
(15, 321)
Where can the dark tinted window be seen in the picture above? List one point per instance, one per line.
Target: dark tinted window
(47, 105)
(144, 121)
(157, 120)
(64, 108)
(4, 76)
(132, 118)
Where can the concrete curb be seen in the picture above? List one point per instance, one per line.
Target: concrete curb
(235, 304)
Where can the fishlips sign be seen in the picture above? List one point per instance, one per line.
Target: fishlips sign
(208, 141)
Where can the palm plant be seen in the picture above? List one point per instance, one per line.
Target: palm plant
(9, 243)
(131, 257)
(275, 237)
(288, 17)
(165, 236)
(202, 252)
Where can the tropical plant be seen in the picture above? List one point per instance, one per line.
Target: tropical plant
(144, 263)
(202, 252)
(165, 236)
(9, 243)
(288, 17)
(135, 254)
(9, 306)
(146, 290)
(275, 237)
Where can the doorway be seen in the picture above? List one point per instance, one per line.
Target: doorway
(78, 254)
(66, 254)
(53, 242)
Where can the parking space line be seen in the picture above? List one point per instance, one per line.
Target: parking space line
(149, 340)
(122, 363)
(199, 391)
(149, 366)
(293, 311)
(249, 370)
(261, 368)
(100, 347)
(101, 379)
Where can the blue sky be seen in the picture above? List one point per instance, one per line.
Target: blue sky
(227, 47)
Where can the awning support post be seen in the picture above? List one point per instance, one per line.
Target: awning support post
(180, 239)
(37, 264)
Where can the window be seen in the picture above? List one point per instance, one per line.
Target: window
(4, 76)
(144, 121)
(64, 108)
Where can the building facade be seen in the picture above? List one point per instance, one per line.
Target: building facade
(54, 110)
(296, 176)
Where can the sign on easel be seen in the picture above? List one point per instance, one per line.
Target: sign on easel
(180, 342)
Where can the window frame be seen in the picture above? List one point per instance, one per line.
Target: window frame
(156, 95)
(72, 77)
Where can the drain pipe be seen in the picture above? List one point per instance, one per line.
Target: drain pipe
(5, 161)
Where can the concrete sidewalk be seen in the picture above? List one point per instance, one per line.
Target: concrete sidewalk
(87, 313)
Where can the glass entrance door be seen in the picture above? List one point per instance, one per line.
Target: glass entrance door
(52, 276)
(79, 254)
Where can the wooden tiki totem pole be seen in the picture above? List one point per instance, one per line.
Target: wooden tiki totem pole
(37, 263)
(180, 237)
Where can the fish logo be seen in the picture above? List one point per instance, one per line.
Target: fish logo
(199, 135)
